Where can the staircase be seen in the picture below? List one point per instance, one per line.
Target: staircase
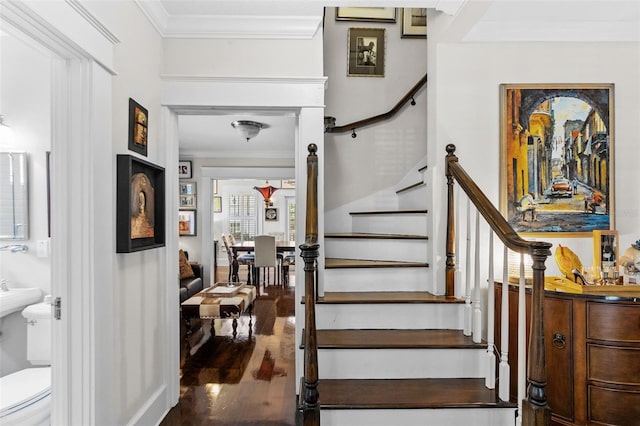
(390, 352)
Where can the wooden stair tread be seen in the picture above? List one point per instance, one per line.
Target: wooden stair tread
(410, 187)
(395, 339)
(385, 297)
(407, 393)
(335, 263)
(366, 235)
(386, 212)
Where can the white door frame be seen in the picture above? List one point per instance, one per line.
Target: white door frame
(189, 94)
(81, 112)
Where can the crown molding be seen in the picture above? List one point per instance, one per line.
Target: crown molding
(231, 25)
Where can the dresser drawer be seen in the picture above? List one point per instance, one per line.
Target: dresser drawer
(613, 364)
(613, 321)
(613, 407)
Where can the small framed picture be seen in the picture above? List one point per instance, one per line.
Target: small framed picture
(187, 188)
(184, 169)
(217, 204)
(605, 249)
(187, 223)
(187, 201)
(138, 124)
(271, 214)
(414, 22)
(366, 14)
(288, 184)
(366, 52)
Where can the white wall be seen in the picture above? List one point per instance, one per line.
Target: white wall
(243, 58)
(25, 102)
(131, 350)
(464, 89)
(391, 148)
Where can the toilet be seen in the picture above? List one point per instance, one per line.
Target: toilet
(25, 398)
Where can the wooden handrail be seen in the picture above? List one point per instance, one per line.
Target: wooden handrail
(535, 409)
(380, 117)
(309, 253)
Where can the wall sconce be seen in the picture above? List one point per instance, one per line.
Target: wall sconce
(6, 134)
(266, 191)
(247, 129)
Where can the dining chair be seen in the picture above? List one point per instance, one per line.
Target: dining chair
(265, 249)
(227, 247)
(244, 259)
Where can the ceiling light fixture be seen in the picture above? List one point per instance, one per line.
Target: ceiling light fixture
(247, 129)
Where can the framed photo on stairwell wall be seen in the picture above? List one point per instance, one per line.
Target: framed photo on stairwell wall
(557, 158)
(366, 48)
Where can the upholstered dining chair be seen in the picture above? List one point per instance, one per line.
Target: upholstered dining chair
(266, 258)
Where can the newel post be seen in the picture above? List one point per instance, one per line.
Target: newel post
(535, 410)
(450, 272)
(309, 253)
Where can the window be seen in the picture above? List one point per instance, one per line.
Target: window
(291, 218)
(242, 217)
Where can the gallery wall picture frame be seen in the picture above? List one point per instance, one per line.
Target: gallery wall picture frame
(187, 188)
(366, 52)
(288, 184)
(414, 22)
(138, 127)
(271, 214)
(217, 204)
(557, 143)
(605, 249)
(366, 14)
(140, 205)
(187, 223)
(184, 169)
(188, 202)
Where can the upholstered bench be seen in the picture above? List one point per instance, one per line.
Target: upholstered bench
(219, 302)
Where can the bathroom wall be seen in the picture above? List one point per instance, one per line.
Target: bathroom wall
(25, 79)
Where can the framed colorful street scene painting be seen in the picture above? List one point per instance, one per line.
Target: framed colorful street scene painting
(557, 158)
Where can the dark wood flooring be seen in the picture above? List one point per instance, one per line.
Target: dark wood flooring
(246, 380)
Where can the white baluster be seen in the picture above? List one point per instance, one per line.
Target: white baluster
(522, 321)
(490, 380)
(459, 290)
(505, 370)
(467, 269)
(477, 312)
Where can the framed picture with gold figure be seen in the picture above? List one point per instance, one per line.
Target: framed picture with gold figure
(140, 198)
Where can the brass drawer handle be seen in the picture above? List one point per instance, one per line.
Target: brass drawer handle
(559, 340)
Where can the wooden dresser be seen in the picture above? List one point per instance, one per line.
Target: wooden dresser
(592, 353)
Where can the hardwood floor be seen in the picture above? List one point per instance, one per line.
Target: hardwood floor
(246, 380)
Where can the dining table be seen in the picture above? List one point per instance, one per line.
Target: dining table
(249, 247)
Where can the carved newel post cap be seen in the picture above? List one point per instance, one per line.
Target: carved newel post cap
(313, 148)
(451, 148)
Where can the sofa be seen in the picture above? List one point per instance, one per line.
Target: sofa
(190, 276)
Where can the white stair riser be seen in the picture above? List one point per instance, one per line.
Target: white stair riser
(417, 417)
(377, 279)
(401, 363)
(384, 315)
(415, 198)
(391, 224)
(376, 249)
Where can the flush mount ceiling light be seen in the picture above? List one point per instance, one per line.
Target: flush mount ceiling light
(247, 129)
